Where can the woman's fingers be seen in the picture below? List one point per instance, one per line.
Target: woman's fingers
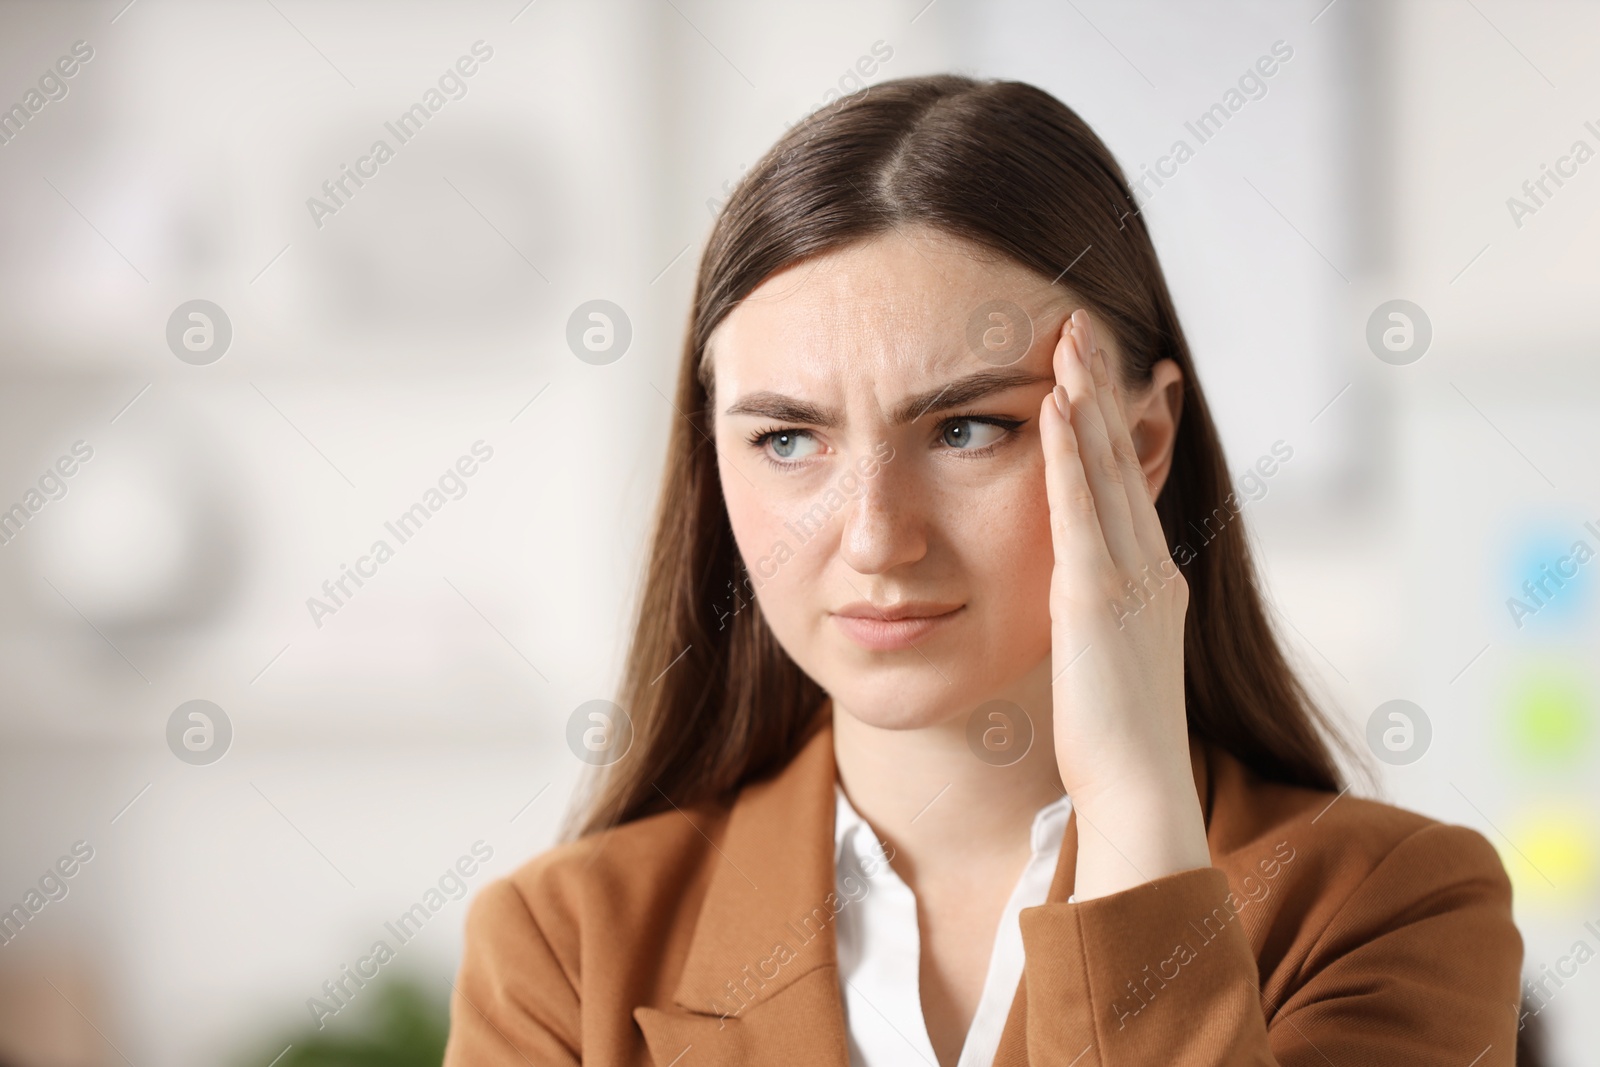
(1102, 471)
(1074, 521)
(1146, 523)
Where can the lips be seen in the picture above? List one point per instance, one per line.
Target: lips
(893, 627)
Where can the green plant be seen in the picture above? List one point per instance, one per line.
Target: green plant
(401, 1023)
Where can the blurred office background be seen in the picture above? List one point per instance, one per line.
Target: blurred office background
(370, 749)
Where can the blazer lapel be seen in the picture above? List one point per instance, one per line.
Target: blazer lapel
(802, 1024)
(760, 982)
(1013, 1048)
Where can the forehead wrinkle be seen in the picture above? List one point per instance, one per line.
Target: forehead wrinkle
(858, 336)
(957, 392)
(888, 344)
(865, 348)
(876, 318)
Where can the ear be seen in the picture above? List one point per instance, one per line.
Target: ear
(1152, 418)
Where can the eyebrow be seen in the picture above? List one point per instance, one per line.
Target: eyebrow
(957, 393)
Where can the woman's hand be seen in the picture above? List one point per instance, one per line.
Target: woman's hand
(1117, 606)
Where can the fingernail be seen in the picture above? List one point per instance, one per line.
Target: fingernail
(1061, 401)
(1080, 335)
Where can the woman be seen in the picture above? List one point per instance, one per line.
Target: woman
(958, 731)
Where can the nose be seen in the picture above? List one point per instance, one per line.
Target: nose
(885, 525)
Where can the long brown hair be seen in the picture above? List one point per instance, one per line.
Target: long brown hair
(714, 699)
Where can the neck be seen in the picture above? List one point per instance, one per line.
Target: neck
(941, 807)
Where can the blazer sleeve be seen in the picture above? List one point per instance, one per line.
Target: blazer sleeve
(1419, 965)
(513, 1001)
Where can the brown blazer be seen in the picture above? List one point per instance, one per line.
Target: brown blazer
(1330, 931)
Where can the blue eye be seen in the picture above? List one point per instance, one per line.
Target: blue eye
(785, 444)
(971, 434)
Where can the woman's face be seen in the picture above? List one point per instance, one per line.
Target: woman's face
(874, 460)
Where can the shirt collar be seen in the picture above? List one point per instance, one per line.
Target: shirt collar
(846, 820)
(1049, 823)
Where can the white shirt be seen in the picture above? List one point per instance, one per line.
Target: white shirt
(880, 946)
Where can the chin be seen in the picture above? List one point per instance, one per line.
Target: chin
(911, 697)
